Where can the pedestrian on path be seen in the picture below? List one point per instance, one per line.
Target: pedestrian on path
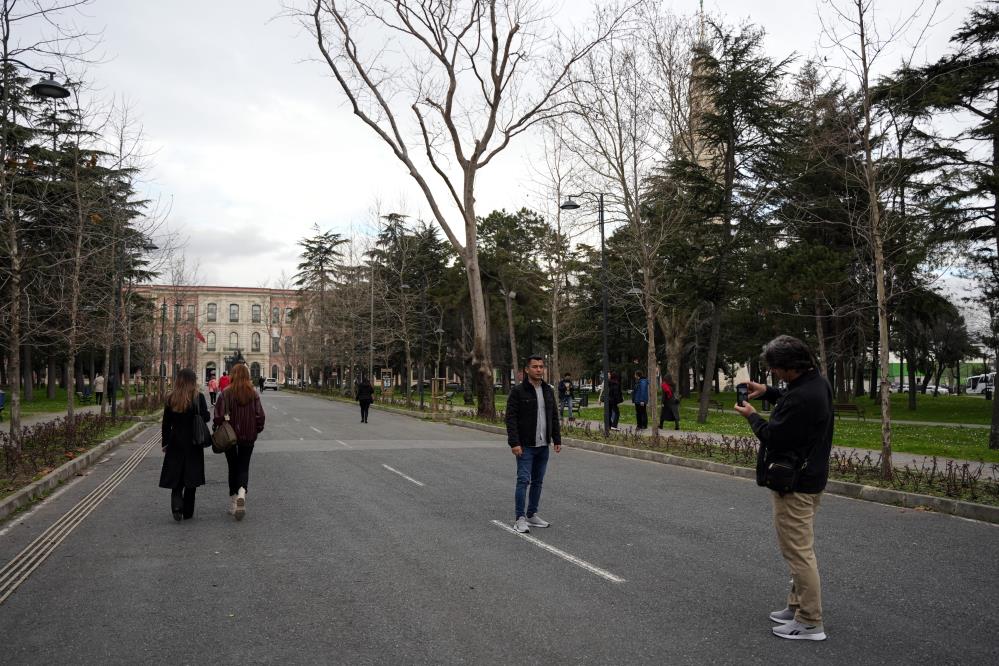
(365, 395)
(797, 437)
(213, 389)
(99, 389)
(531, 425)
(614, 399)
(640, 396)
(184, 463)
(224, 381)
(565, 395)
(671, 404)
(242, 403)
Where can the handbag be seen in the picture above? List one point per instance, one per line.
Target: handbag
(202, 435)
(782, 475)
(224, 436)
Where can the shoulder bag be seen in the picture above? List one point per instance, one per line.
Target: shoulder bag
(224, 436)
(202, 436)
(782, 475)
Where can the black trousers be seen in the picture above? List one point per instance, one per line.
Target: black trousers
(365, 404)
(238, 459)
(182, 499)
(615, 415)
(642, 416)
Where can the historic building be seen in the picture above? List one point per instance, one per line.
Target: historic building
(209, 328)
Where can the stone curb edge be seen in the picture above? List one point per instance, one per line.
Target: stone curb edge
(71, 468)
(858, 491)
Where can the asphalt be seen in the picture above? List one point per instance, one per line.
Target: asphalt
(341, 560)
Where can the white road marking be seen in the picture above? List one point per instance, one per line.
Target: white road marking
(316, 429)
(342, 443)
(561, 553)
(408, 478)
(297, 419)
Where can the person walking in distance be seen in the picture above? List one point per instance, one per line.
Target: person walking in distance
(531, 425)
(614, 398)
(99, 389)
(565, 395)
(224, 381)
(365, 395)
(213, 389)
(640, 396)
(184, 463)
(242, 403)
(671, 404)
(797, 437)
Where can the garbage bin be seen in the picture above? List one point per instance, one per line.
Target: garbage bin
(987, 393)
(584, 399)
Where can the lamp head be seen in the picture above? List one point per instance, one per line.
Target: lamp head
(569, 204)
(48, 87)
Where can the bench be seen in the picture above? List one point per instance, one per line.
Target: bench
(449, 397)
(716, 404)
(849, 408)
(85, 396)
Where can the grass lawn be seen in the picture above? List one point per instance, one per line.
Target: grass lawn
(42, 405)
(944, 441)
(943, 408)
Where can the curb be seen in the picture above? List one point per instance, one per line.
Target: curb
(50, 481)
(959, 508)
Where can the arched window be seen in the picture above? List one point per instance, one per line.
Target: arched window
(233, 340)
(255, 370)
(276, 315)
(233, 312)
(213, 312)
(287, 315)
(255, 314)
(211, 340)
(274, 371)
(255, 342)
(287, 374)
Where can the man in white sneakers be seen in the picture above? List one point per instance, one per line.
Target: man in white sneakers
(531, 425)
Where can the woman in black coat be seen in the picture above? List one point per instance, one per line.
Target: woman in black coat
(615, 398)
(365, 395)
(184, 463)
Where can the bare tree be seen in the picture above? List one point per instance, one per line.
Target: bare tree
(474, 75)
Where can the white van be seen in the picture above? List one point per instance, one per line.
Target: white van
(976, 384)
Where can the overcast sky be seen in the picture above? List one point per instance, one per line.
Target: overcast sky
(251, 143)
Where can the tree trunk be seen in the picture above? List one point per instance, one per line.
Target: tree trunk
(910, 355)
(50, 377)
(650, 357)
(126, 363)
(108, 386)
(14, 335)
(28, 371)
(709, 364)
(820, 335)
(513, 339)
(481, 352)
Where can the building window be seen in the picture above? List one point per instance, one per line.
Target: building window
(233, 341)
(213, 312)
(255, 342)
(255, 314)
(276, 315)
(275, 345)
(287, 345)
(233, 312)
(211, 340)
(274, 371)
(190, 313)
(254, 370)
(287, 315)
(176, 311)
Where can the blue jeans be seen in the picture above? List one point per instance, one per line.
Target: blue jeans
(531, 466)
(566, 402)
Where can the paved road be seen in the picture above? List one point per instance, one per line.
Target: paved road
(343, 560)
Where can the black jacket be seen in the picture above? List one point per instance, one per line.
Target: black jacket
(802, 421)
(184, 462)
(365, 392)
(614, 395)
(522, 415)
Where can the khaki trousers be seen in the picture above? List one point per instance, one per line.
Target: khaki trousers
(794, 518)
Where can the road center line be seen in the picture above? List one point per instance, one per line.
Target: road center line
(316, 429)
(561, 553)
(408, 478)
(342, 443)
(297, 419)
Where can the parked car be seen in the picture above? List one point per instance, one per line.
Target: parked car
(270, 383)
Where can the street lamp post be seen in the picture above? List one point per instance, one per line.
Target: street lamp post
(569, 204)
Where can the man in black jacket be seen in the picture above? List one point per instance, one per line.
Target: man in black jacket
(531, 424)
(799, 433)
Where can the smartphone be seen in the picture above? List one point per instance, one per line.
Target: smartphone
(741, 394)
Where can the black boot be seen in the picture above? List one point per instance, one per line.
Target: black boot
(177, 503)
(189, 494)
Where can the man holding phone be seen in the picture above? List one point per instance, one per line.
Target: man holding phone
(799, 436)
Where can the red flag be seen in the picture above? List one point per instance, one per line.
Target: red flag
(198, 335)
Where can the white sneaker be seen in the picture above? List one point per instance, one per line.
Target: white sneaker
(538, 521)
(232, 505)
(802, 632)
(240, 504)
(521, 525)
